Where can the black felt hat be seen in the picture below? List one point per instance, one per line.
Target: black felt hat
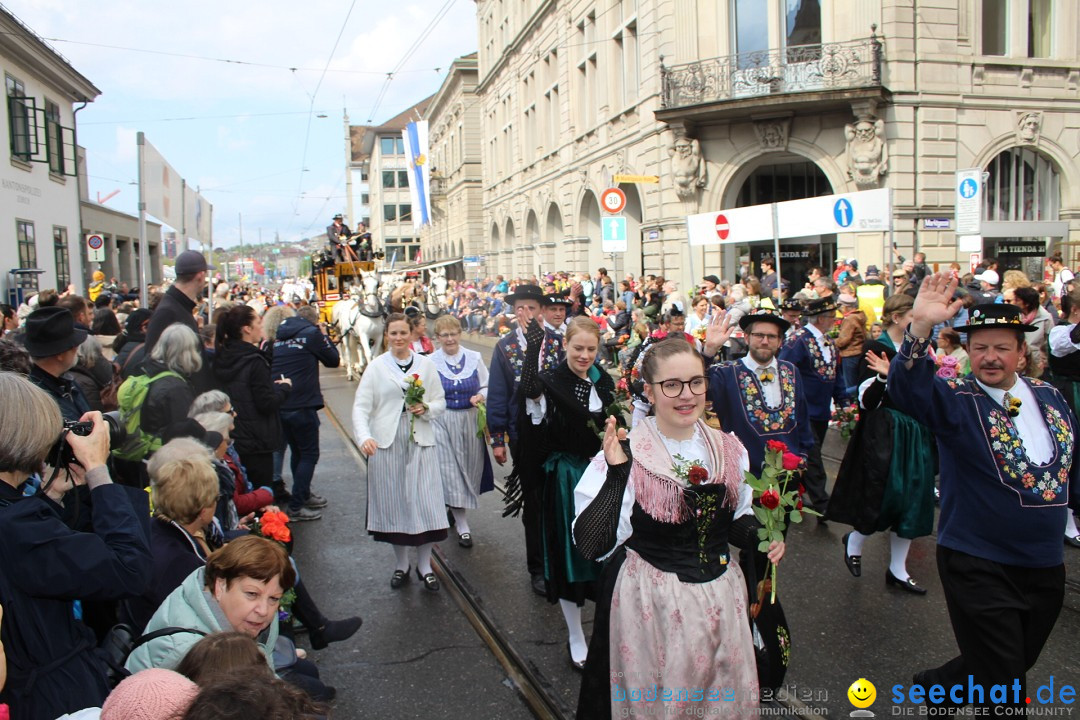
(558, 299)
(51, 331)
(526, 292)
(764, 315)
(995, 316)
(819, 306)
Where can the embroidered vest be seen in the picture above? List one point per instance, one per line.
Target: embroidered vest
(764, 419)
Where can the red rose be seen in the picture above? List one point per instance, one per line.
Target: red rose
(416, 376)
(697, 475)
(798, 505)
(776, 446)
(791, 461)
(770, 499)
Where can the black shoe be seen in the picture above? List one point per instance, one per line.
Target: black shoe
(430, 581)
(576, 665)
(853, 562)
(908, 585)
(465, 540)
(450, 517)
(334, 631)
(822, 522)
(399, 578)
(1073, 541)
(539, 585)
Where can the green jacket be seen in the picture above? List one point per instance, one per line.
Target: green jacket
(189, 606)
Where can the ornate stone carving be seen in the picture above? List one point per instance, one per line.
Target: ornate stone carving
(773, 134)
(688, 171)
(1028, 127)
(867, 155)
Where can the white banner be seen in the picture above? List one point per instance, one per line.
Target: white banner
(163, 189)
(197, 216)
(415, 135)
(866, 211)
(739, 225)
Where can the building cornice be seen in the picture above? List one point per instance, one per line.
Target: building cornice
(24, 47)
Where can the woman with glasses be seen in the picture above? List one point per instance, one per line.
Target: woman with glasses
(566, 407)
(661, 507)
(463, 458)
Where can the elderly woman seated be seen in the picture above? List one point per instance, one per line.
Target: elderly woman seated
(239, 589)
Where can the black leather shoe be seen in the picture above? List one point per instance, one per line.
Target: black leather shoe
(465, 540)
(908, 585)
(430, 581)
(1073, 541)
(576, 665)
(399, 578)
(539, 585)
(334, 631)
(853, 562)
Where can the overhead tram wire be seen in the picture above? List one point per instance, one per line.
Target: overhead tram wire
(408, 54)
(311, 114)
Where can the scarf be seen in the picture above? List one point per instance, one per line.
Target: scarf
(658, 491)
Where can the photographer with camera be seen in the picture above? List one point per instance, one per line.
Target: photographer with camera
(53, 341)
(45, 566)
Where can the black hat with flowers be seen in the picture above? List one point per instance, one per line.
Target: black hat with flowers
(995, 316)
(819, 306)
(764, 315)
(558, 299)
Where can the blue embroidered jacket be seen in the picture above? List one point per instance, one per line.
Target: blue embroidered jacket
(504, 376)
(819, 378)
(995, 503)
(738, 400)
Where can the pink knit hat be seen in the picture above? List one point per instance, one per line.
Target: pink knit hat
(153, 694)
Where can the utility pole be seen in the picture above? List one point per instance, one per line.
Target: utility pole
(240, 223)
(348, 172)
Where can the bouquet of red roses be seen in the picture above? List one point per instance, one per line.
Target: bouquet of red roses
(414, 393)
(779, 498)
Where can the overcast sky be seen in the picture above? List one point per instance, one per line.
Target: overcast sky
(246, 147)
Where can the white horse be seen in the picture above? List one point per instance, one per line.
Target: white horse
(360, 325)
(436, 291)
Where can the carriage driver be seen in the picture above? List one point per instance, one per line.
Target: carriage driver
(337, 238)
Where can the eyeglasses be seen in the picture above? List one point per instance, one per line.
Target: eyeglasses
(448, 335)
(766, 337)
(673, 388)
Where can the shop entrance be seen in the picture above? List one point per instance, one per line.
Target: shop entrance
(788, 179)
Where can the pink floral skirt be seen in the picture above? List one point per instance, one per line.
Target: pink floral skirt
(677, 647)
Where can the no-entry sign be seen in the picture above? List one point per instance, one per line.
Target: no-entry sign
(723, 229)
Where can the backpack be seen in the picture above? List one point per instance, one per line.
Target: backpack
(109, 400)
(131, 397)
(121, 641)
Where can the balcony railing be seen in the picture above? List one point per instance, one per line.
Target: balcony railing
(805, 68)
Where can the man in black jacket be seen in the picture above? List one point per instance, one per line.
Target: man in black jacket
(179, 301)
(300, 346)
(53, 341)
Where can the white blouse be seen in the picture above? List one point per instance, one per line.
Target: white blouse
(694, 450)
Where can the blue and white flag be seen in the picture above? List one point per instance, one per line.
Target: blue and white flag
(416, 150)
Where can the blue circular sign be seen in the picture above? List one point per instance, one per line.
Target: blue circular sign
(968, 188)
(842, 213)
(95, 242)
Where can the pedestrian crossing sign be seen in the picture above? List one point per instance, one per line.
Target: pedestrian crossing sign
(613, 237)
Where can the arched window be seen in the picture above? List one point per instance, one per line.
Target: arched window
(1021, 184)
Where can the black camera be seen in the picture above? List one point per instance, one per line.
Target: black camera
(61, 455)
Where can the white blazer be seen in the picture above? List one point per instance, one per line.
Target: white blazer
(380, 397)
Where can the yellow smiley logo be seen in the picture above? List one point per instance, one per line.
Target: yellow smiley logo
(862, 693)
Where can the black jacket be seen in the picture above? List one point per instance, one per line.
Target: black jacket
(44, 567)
(175, 556)
(67, 393)
(298, 350)
(167, 401)
(243, 372)
(174, 307)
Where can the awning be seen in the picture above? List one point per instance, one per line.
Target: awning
(431, 265)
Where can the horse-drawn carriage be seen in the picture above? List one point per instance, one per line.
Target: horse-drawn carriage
(333, 283)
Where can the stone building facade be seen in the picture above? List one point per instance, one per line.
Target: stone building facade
(456, 229)
(729, 106)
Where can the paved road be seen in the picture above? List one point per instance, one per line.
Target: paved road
(417, 656)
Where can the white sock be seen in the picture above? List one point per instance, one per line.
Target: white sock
(423, 558)
(579, 649)
(401, 555)
(898, 550)
(1070, 525)
(855, 542)
(461, 521)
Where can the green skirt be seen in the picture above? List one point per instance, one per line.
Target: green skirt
(907, 506)
(564, 566)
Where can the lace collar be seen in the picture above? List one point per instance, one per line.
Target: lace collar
(465, 361)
